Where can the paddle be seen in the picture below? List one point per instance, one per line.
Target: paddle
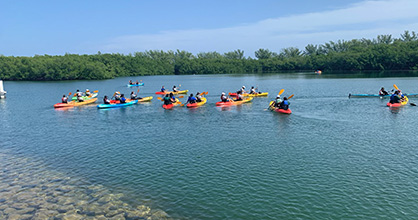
(280, 92)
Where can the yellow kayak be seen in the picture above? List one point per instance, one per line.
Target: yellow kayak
(74, 103)
(196, 104)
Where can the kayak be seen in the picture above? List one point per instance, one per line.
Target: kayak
(170, 106)
(131, 85)
(93, 95)
(196, 104)
(398, 104)
(74, 103)
(117, 105)
(231, 103)
(279, 110)
(377, 95)
(175, 93)
(251, 95)
(145, 99)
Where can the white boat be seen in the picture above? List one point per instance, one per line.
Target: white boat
(2, 92)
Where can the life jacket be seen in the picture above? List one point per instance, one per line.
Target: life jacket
(123, 100)
(64, 99)
(284, 105)
(133, 96)
(224, 98)
(191, 99)
(117, 97)
(252, 91)
(162, 89)
(106, 101)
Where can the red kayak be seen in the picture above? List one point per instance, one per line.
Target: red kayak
(169, 106)
(288, 111)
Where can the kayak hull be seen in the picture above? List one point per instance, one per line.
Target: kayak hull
(376, 95)
(232, 103)
(132, 85)
(175, 93)
(170, 106)
(197, 104)
(117, 105)
(74, 103)
(396, 105)
(251, 95)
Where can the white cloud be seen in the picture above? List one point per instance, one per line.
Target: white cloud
(362, 20)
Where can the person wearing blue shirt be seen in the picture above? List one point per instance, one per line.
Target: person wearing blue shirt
(191, 99)
(285, 104)
(122, 98)
(162, 89)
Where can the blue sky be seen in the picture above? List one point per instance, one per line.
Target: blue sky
(55, 27)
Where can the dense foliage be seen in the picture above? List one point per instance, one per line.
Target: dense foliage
(382, 53)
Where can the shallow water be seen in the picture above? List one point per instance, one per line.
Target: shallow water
(333, 157)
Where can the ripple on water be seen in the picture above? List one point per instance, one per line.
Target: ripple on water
(28, 190)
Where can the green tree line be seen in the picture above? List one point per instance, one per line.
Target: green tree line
(382, 53)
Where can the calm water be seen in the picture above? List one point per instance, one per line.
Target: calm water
(332, 158)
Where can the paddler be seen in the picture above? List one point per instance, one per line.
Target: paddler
(167, 99)
(117, 96)
(78, 93)
(134, 96)
(383, 92)
(277, 101)
(88, 92)
(162, 89)
(252, 90)
(191, 99)
(224, 98)
(175, 89)
(79, 97)
(64, 99)
(285, 104)
(130, 82)
(172, 97)
(122, 98)
(106, 100)
(239, 96)
(198, 97)
(395, 98)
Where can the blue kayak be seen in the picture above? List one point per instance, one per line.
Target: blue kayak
(131, 85)
(117, 105)
(377, 95)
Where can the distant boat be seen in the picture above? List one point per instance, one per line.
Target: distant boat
(2, 92)
(319, 72)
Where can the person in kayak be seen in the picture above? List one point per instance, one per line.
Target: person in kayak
(239, 96)
(130, 82)
(88, 93)
(383, 92)
(285, 104)
(106, 100)
(198, 97)
(252, 90)
(242, 90)
(167, 99)
(117, 96)
(172, 97)
(277, 101)
(395, 98)
(122, 98)
(137, 83)
(175, 89)
(64, 99)
(79, 97)
(162, 89)
(224, 98)
(191, 99)
(134, 96)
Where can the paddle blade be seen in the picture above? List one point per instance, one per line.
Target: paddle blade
(395, 87)
(181, 96)
(69, 94)
(95, 91)
(281, 91)
(413, 104)
(159, 98)
(290, 96)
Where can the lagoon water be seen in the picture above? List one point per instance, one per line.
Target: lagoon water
(333, 158)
